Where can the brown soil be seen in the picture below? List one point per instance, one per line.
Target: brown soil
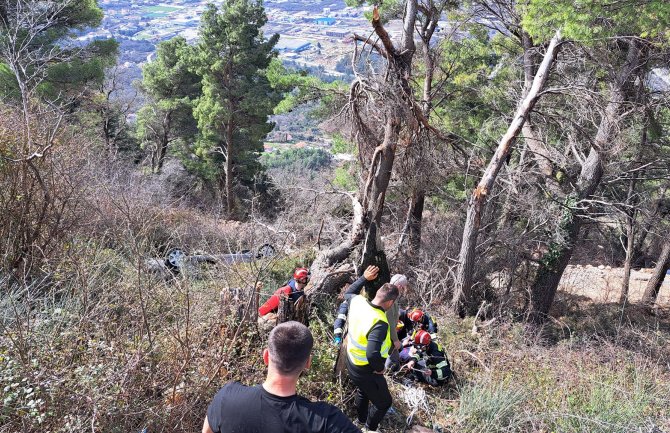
(603, 283)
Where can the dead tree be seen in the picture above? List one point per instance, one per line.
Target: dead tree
(464, 293)
(381, 116)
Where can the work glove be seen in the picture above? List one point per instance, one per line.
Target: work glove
(337, 340)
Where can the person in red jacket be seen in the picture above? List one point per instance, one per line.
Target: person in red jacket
(294, 290)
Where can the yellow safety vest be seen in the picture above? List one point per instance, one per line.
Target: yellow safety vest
(362, 317)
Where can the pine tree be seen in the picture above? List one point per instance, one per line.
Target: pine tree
(237, 97)
(172, 87)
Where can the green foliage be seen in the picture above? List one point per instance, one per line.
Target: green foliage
(341, 145)
(85, 70)
(236, 93)
(298, 159)
(171, 86)
(299, 88)
(587, 20)
(344, 179)
(478, 73)
(612, 402)
(33, 33)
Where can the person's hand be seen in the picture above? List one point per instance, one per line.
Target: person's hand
(337, 340)
(397, 344)
(409, 365)
(427, 372)
(371, 273)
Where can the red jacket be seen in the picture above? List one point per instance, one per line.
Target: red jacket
(273, 303)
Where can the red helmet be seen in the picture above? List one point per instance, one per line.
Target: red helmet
(301, 274)
(422, 337)
(415, 315)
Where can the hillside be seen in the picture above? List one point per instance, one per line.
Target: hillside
(505, 164)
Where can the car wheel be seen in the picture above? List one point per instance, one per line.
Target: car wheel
(265, 251)
(175, 259)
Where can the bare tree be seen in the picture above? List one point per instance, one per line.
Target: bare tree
(463, 292)
(382, 115)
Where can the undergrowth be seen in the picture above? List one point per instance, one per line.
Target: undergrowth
(110, 347)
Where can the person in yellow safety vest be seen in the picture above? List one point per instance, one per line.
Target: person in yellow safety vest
(368, 346)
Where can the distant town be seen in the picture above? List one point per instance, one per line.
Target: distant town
(313, 33)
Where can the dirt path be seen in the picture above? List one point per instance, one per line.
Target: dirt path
(603, 283)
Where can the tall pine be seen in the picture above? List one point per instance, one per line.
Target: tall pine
(171, 87)
(237, 98)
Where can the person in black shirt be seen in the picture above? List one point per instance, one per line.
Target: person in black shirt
(274, 406)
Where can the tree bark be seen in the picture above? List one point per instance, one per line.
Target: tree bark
(230, 198)
(656, 281)
(416, 221)
(630, 213)
(158, 160)
(463, 293)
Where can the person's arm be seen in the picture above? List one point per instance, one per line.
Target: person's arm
(373, 352)
(273, 302)
(340, 321)
(430, 324)
(205, 427)
(355, 288)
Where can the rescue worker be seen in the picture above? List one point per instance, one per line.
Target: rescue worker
(427, 360)
(368, 346)
(414, 319)
(340, 322)
(355, 288)
(294, 289)
(274, 406)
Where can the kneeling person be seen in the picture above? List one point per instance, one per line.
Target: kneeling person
(428, 360)
(274, 406)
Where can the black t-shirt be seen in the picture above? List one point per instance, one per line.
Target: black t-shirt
(251, 409)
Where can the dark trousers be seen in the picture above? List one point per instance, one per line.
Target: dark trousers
(371, 388)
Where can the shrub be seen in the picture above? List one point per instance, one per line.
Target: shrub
(491, 408)
(299, 159)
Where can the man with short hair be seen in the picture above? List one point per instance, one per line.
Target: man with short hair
(368, 346)
(274, 406)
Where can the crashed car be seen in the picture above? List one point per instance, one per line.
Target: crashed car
(177, 259)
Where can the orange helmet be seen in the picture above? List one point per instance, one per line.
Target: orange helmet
(415, 315)
(422, 337)
(301, 274)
